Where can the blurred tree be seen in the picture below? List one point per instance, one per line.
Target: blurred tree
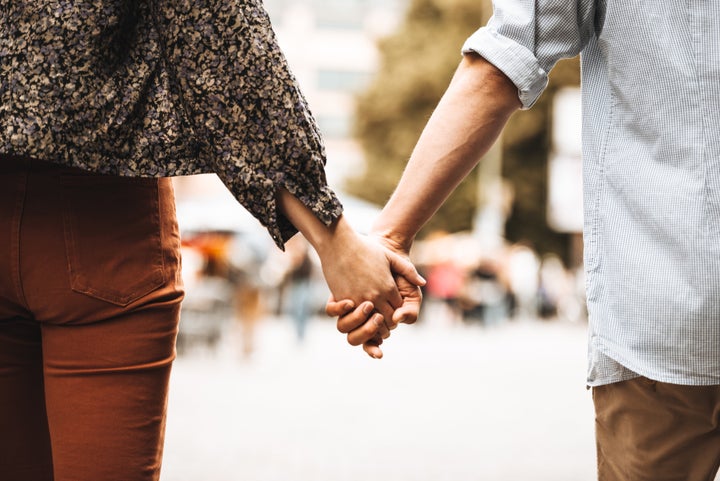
(526, 145)
(417, 62)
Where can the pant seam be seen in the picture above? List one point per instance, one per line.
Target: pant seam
(15, 240)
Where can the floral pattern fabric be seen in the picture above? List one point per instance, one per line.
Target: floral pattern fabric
(161, 88)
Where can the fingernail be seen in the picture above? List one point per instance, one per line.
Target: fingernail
(367, 308)
(348, 305)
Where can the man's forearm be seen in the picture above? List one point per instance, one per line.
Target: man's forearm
(465, 124)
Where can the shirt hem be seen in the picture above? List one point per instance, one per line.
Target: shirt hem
(632, 372)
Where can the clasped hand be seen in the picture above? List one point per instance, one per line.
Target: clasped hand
(374, 287)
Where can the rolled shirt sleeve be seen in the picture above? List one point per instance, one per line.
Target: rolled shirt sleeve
(526, 38)
(243, 106)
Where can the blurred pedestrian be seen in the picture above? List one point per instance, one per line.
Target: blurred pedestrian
(299, 288)
(445, 283)
(523, 274)
(101, 101)
(651, 109)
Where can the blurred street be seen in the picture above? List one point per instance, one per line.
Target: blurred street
(448, 402)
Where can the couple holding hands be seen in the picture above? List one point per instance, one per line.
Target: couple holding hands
(102, 100)
(374, 286)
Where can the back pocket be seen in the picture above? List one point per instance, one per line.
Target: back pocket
(113, 238)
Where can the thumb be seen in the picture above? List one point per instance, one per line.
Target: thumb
(407, 314)
(403, 267)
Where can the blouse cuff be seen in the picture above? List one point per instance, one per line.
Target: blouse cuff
(258, 194)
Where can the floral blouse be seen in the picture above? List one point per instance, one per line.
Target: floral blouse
(161, 88)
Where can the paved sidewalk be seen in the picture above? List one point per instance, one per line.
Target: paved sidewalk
(448, 403)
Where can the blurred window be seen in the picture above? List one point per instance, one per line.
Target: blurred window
(342, 80)
(334, 126)
(276, 10)
(341, 14)
(334, 19)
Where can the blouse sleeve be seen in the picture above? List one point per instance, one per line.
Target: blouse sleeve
(525, 38)
(243, 105)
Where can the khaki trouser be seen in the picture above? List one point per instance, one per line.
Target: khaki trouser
(89, 306)
(653, 431)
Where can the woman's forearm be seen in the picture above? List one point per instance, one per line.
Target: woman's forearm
(355, 267)
(465, 124)
(320, 236)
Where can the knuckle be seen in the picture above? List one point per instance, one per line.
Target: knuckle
(371, 328)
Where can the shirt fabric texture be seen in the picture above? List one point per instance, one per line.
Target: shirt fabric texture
(161, 88)
(651, 160)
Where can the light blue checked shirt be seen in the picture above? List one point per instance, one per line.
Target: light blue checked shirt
(651, 154)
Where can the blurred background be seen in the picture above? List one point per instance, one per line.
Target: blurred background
(489, 384)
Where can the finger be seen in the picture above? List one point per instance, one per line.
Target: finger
(387, 309)
(367, 331)
(384, 331)
(356, 318)
(407, 314)
(390, 321)
(335, 308)
(412, 299)
(372, 348)
(402, 266)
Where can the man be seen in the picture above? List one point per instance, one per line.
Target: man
(652, 205)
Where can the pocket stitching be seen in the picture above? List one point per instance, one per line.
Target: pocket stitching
(78, 282)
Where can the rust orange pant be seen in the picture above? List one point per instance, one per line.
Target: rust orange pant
(654, 431)
(89, 306)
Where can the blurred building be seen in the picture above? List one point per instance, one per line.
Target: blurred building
(565, 182)
(331, 46)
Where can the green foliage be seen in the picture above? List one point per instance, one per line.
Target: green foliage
(526, 144)
(417, 62)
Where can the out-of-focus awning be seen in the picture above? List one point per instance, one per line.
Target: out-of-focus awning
(204, 204)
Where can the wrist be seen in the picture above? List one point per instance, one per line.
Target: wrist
(395, 240)
(337, 235)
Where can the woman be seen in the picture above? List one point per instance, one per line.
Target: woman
(100, 102)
